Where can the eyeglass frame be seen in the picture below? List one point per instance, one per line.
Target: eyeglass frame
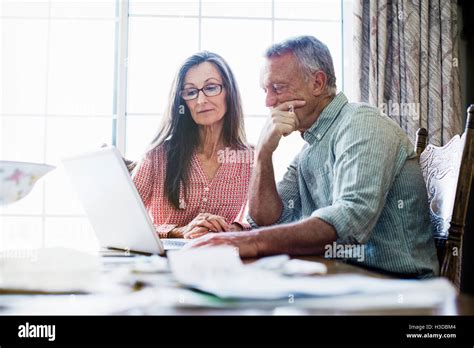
(221, 86)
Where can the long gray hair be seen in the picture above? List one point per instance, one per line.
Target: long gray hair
(180, 134)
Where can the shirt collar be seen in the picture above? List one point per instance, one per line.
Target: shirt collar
(319, 128)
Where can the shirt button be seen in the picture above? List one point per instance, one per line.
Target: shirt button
(318, 136)
(206, 188)
(204, 199)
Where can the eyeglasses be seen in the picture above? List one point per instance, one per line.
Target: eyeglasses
(210, 90)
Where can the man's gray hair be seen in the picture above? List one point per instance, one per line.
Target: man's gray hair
(311, 54)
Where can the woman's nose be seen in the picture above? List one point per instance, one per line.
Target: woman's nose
(201, 98)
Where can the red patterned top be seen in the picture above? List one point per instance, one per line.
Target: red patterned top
(224, 195)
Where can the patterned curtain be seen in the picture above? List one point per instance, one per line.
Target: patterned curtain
(406, 63)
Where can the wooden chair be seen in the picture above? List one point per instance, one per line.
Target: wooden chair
(448, 174)
(421, 141)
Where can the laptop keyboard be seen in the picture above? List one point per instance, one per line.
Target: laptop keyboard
(174, 243)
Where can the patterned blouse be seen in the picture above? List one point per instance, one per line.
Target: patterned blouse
(224, 195)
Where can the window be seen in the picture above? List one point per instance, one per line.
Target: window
(163, 33)
(76, 74)
(57, 99)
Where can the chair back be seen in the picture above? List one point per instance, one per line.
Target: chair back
(448, 171)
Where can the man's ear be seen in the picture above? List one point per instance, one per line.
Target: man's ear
(320, 80)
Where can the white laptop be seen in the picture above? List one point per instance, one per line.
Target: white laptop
(113, 204)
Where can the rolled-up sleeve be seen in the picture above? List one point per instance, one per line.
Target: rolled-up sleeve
(367, 157)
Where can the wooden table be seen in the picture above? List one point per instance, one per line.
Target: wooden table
(164, 284)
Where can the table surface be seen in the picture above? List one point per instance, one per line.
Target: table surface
(163, 296)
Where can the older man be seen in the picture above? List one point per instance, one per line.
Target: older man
(355, 186)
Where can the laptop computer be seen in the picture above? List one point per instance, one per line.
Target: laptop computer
(113, 204)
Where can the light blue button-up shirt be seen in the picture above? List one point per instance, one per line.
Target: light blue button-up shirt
(359, 173)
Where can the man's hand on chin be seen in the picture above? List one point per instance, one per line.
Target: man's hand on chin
(246, 242)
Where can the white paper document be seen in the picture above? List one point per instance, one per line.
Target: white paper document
(219, 270)
(51, 270)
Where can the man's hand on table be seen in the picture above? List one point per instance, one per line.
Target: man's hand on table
(245, 242)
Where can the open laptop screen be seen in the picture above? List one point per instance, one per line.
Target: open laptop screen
(111, 201)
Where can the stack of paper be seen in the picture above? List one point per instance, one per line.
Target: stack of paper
(219, 271)
(50, 270)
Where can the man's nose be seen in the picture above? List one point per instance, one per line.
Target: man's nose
(270, 100)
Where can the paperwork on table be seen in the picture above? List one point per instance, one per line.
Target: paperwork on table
(49, 270)
(219, 271)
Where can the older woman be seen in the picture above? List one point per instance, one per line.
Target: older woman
(187, 183)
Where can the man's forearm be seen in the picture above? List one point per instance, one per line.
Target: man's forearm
(306, 237)
(265, 204)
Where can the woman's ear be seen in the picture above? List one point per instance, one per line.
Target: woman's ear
(320, 80)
